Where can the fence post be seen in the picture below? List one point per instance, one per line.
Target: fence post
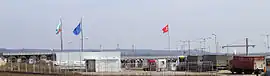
(11, 66)
(18, 66)
(212, 69)
(38, 68)
(5, 67)
(26, 67)
(49, 67)
(43, 68)
(188, 66)
(34, 67)
(185, 68)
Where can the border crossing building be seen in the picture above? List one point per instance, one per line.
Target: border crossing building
(74, 59)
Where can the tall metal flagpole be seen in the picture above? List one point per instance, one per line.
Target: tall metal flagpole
(61, 44)
(81, 44)
(61, 35)
(169, 39)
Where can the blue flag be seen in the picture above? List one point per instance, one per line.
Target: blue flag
(77, 30)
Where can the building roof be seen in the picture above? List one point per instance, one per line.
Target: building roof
(124, 52)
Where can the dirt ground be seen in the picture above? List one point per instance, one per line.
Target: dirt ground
(16, 74)
(20, 74)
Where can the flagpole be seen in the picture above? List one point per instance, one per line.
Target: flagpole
(169, 39)
(61, 35)
(61, 44)
(81, 44)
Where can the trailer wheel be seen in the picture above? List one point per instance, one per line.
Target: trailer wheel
(257, 71)
(232, 70)
(248, 72)
(238, 71)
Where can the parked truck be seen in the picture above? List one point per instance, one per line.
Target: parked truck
(247, 64)
(194, 63)
(220, 62)
(150, 65)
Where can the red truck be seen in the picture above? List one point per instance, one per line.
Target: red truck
(150, 65)
(247, 64)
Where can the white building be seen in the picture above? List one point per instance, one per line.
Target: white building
(103, 62)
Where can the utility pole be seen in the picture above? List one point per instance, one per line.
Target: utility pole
(227, 50)
(267, 42)
(204, 46)
(247, 46)
(133, 49)
(100, 47)
(216, 43)
(201, 48)
(188, 47)
(117, 45)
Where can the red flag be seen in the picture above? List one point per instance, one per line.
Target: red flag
(165, 29)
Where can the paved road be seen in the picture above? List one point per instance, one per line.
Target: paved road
(152, 73)
(228, 73)
(175, 73)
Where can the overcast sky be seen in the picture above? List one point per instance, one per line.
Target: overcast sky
(32, 23)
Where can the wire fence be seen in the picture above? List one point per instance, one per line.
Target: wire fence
(39, 67)
(183, 66)
(109, 68)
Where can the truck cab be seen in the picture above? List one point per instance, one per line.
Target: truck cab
(181, 63)
(267, 65)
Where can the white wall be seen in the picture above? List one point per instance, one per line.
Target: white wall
(73, 58)
(106, 61)
(108, 65)
(102, 55)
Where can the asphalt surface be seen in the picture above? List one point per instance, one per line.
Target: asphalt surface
(176, 73)
(140, 73)
(228, 73)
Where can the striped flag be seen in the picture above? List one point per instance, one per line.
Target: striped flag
(59, 27)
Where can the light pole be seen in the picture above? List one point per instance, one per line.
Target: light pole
(133, 49)
(267, 41)
(215, 36)
(101, 47)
